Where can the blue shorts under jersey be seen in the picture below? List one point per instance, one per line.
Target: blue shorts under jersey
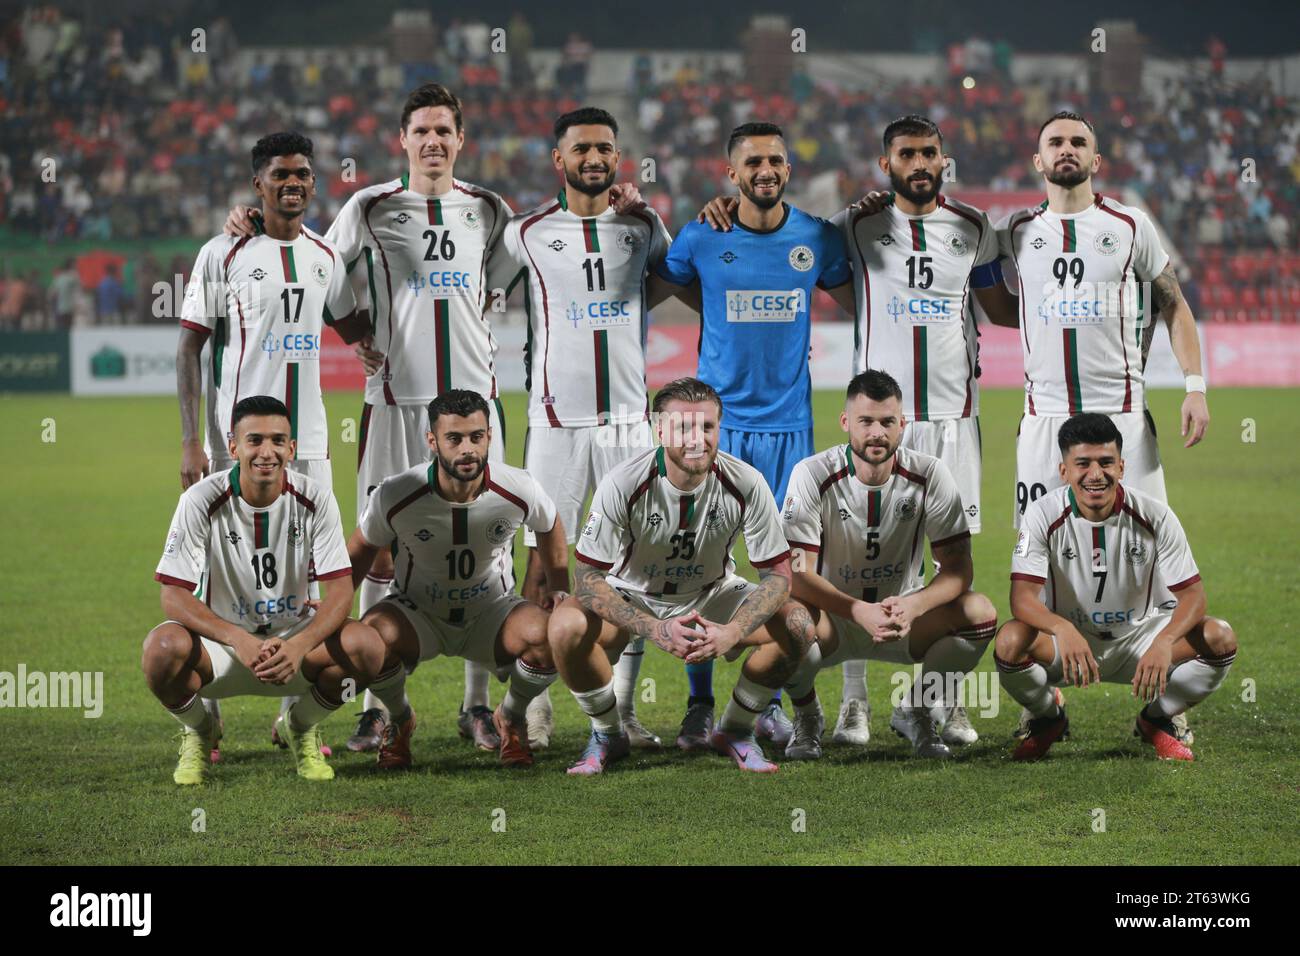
(773, 453)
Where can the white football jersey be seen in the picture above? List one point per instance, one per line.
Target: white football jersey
(1085, 324)
(868, 539)
(453, 560)
(585, 360)
(266, 304)
(913, 280)
(254, 564)
(419, 263)
(1100, 575)
(658, 541)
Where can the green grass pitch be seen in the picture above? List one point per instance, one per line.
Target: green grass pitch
(86, 516)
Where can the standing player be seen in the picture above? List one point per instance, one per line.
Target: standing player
(854, 517)
(251, 540)
(1095, 544)
(1080, 264)
(451, 524)
(588, 297)
(264, 301)
(655, 562)
(757, 285)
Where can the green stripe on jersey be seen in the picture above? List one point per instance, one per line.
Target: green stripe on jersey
(873, 508)
(659, 462)
(1073, 387)
(435, 212)
(589, 235)
(460, 526)
(261, 529)
(290, 267)
(442, 342)
(601, 337)
(921, 371)
(918, 235)
(291, 397)
(1070, 238)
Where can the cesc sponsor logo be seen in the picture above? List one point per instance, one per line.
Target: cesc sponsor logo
(764, 305)
(920, 310)
(600, 314)
(441, 283)
(296, 346)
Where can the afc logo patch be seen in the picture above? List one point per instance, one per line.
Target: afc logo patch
(791, 503)
(592, 527)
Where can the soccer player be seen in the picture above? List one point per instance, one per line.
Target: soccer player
(654, 561)
(264, 302)
(451, 524)
(589, 293)
(757, 284)
(854, 517)
(1080, 264)
(1082, 581)
(250, 540)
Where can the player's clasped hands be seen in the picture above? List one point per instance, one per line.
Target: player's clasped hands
(371, 358)
(679, 635)
(880, 621)
(718, 641)
(1078, 665)
(279, 661)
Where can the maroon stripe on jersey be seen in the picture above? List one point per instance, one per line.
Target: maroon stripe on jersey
(645, 485)
(772, 562)
(684, 510)
(732, 489)
(365, 432)
(603, 565)
(195, 327)
(297, 493)
(1185, 584)
(831, 479)
(1018, 576)
(551, 417)
(1060, 520)
(491, 204)
(218, 502)
(225, 265)
(979, 231)
(460, 526)
(310, 235)
(331, 575)
(240, 367)
(287, 265)
(509, 496)
(1024, 323)
(973, 220)
(670, 587)
(804, 546)
(410, 499)
(1012, 668)
(1139, 519)
(918, 235)
(388, 281)
(866, 290)
(175, 582)
(956, 537)
(920, 526)
(909, 475)
(1123, 339)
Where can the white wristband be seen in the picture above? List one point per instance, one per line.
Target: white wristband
(1195, 383)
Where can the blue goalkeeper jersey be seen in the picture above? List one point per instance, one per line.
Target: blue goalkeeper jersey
(755, 328)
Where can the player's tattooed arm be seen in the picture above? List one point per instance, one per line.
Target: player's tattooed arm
(189, 383)
(597, 595)
(1186, 345)
(773, 591)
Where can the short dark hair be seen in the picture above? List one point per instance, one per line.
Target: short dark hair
(745, 130)
(875, 385)
(257, 405)
(431, 94)
(688, 390)
(280, 144)
(913, 124)
(460, 402)
(1067, 115)
(1088, 428)
(586, 116)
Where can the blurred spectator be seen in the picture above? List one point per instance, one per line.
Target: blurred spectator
(110, 296)
(63, 291)
(571, 74)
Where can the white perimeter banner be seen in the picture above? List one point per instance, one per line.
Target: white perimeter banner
(124, 360)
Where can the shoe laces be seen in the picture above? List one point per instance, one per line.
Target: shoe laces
(191, 752)
(855, 712)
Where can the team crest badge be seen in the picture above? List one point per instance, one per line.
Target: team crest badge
(628, 241)
(296, 534)
(844, 514)
(956, 244)
(318, 273)
(470, 219)
(801, 258)
(1107, 243)
(1137, 554)
(905, 509)
(500, 531)
(713, 520)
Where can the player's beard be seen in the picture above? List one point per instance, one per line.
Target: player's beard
(575, 180)
(905, 189)
(692, 466)
(762, 202)
(1069, 178)
(860, 451)
(448, 466)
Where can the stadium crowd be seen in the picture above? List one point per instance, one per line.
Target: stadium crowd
(150, 142)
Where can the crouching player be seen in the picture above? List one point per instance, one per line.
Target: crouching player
(254, 537)
(449, 524)
(855, 516)
(654, 561)
(1081, 596)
